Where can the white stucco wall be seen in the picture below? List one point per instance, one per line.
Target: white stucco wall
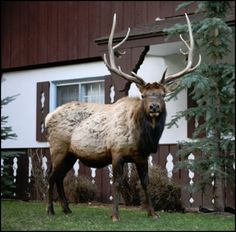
(22, 111)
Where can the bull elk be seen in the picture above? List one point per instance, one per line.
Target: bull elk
(102, 134)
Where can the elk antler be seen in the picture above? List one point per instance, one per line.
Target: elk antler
(112, 51)
(188, 67)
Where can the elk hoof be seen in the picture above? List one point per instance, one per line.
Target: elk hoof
(154, 215)
(67, 211)
(115, 218)
(50, 211)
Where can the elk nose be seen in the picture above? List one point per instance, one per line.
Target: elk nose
(154, 107)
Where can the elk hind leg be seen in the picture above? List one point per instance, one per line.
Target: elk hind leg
(57, 158)
(51, 181)
(117, 168)
(67, 164)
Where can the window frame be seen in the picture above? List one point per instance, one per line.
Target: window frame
(79, 82)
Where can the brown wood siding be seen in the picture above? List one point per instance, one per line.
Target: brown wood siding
(42, 32)
(52, 31)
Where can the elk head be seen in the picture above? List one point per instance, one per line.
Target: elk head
(152, 93)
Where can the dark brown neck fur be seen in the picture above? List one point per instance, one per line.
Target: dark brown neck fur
(149, 134)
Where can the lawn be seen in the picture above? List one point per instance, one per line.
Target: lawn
(18, 216)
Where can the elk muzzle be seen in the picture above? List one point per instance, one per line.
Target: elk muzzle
(154, 109)
(153, 105)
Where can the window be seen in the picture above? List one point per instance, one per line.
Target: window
(84, 91)
(92, 92)
(67, 93)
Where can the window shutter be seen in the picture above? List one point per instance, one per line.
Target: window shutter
(42, 109)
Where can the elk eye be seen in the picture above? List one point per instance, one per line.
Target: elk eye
(142, 96)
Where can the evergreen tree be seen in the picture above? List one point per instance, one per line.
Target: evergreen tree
(6, 131)
(7, 184)
(211, 86)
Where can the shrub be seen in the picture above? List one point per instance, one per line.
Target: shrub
(165, 194)
(130, 188)
(79, 188)
(38, 178)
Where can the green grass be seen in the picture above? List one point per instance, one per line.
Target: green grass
(18, 216)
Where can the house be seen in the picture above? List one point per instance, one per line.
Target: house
(52, 53)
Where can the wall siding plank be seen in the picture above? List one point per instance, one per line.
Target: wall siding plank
(166, 10)
(128, 14)
(140, 12)
(14, 53)
(52, 31)
(23, 33)
(94, 27)
(83, 30)
(6, 35)
(22, 177)
(153, 10)
(33, 33)
(72, 36)
(117, 7)
(42, 33)
(62, 19)
(106, 17)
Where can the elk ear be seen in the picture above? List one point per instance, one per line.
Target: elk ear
(163, 77)
(140, 87)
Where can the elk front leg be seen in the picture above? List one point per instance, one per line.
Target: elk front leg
(142, 169)
(117, 168)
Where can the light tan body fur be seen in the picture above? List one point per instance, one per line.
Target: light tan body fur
(94, 132)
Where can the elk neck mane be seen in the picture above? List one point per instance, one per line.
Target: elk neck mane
(149, 134)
